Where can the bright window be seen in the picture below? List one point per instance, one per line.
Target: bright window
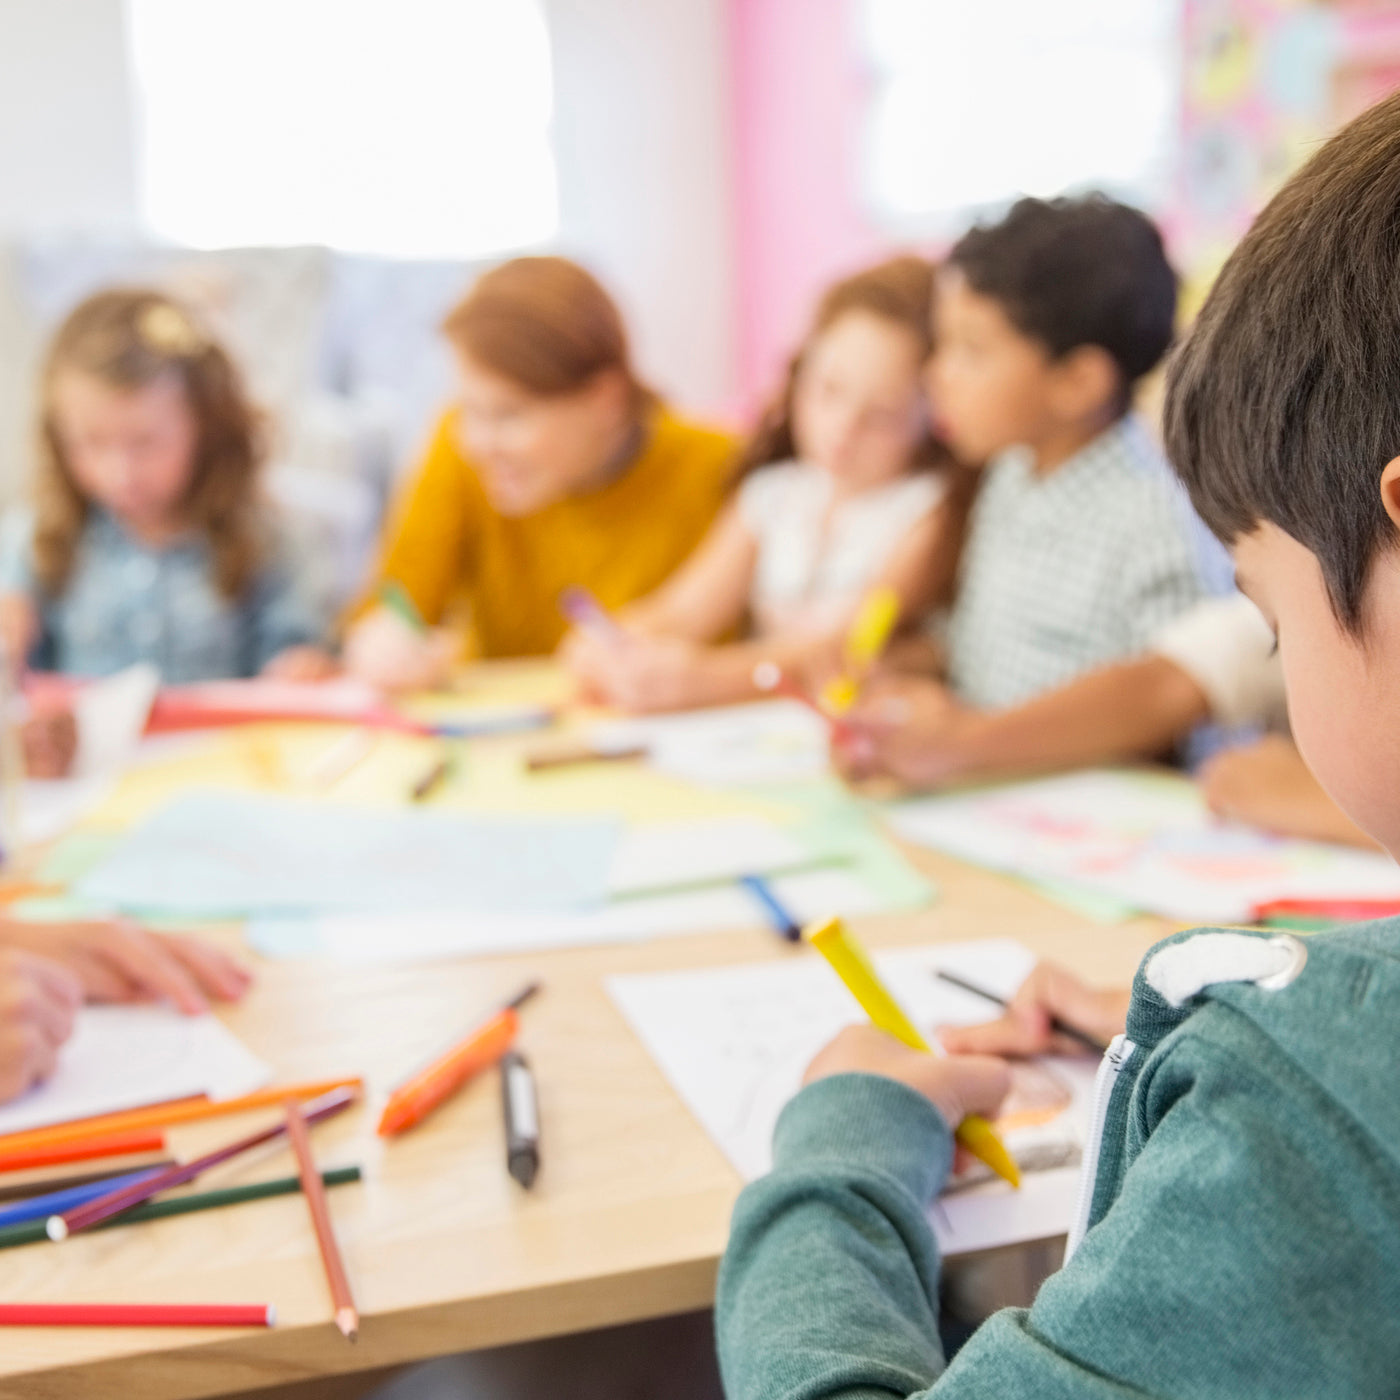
(413, 128)
(975, 103)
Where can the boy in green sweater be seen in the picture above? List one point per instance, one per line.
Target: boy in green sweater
(1240, 1231)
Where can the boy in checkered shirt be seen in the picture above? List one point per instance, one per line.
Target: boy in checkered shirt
(1080, 549)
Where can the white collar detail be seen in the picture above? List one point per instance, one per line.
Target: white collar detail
(1180, 971)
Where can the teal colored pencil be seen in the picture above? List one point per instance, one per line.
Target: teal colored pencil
(34, 1230)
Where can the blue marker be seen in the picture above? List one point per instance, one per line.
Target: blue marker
(57, 1202)
(509, 719)
(781, 918)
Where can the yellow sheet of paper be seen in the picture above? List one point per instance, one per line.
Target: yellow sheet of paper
(490, 776)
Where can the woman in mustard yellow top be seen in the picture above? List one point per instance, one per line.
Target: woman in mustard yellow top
(557, 468)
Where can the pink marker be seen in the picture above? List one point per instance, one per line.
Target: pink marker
(587, 613)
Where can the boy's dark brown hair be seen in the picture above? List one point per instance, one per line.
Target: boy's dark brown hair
(1078, 271)
(899, 290)
(1283, 404)
(128, 338)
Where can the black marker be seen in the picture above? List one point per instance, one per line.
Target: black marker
(522, 1118)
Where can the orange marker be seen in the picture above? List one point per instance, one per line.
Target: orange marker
(417, 1097)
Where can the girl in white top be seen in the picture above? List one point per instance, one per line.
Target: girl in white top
(845, 489)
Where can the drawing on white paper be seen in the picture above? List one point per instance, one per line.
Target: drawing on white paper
(1145, 838)
(734, 1043)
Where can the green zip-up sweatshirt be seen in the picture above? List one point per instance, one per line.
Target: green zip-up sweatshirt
(1244, 1238)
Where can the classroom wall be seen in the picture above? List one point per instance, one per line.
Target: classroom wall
(66, 152)
(642, 128)
(642, 132)
(798, 221)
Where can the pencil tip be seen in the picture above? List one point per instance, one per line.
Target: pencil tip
(524, 995)
(56, 1228)
(348, 1320)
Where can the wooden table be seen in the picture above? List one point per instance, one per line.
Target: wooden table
(446, 1254)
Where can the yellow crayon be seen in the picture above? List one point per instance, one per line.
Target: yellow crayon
(874, 622)
(853, 966)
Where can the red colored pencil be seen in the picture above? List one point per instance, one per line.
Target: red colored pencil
(418, 1096)
(347, 1317)
(104, 1207)
(137, 1315)
(113, 1145)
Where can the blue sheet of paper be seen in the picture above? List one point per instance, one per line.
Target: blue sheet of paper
(227, 854)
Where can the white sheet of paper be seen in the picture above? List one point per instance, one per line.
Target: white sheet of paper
(111, 715)
(1145, 838)
(123, 1057)
(771, 741)
(413, 937)
(734, 1042)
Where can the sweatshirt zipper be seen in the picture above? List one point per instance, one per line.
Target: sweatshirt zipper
(1116, 1056)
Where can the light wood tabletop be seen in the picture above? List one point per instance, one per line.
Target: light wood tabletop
(444, 1250)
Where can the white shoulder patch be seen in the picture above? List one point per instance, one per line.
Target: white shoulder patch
(1177, 973)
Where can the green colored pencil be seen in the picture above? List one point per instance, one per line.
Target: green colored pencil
(396, 598)
(32, 1230)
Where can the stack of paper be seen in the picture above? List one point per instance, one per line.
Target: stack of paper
(734, 1043)
(1144, 838)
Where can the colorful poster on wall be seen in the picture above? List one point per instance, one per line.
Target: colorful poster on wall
(1264, 81)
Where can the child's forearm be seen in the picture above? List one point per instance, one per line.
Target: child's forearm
(1133, 710)
(829, 1286)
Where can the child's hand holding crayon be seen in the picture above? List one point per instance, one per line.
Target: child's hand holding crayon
(908, 728)
(636, 672)
(390, 653)
(958, 1086)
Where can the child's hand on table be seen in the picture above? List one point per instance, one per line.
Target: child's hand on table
(1050, 992)
(38, 1000)
(1267, 784)
(121, 962)
(49, 738)
(302, 664)
(905, 727)
(385, 651)
(956, 1085)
